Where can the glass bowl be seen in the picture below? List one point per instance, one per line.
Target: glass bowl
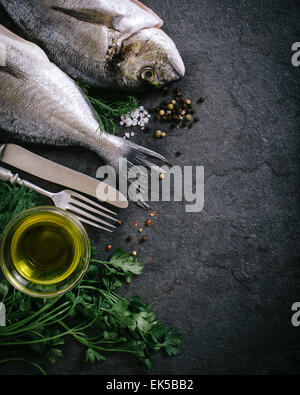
(44, 252)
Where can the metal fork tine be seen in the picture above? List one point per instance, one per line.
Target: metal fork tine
(89, 216)
(152, 166)
(93, 224)
(85, 199)
(141, 190)
(143, 204)
(64, 199)
(89, 208)
(142, 173)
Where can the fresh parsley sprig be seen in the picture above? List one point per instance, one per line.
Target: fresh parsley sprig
(92, 313)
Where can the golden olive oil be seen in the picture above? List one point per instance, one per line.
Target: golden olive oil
(46, 248)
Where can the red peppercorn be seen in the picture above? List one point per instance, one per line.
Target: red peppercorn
(148, 222)
(109, 247)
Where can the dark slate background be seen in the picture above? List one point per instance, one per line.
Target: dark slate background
(225, 278)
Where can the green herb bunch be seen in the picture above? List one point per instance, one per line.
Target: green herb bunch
(109, 106)
(13, 200)
(93, 314)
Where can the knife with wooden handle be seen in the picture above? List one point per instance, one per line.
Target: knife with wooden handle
(38, 166)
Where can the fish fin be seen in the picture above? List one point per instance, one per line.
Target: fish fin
(98, 17)
(160, 22)
(13, 71)
(10, 40)
(114, 20)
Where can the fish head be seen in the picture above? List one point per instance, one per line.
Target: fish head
(149, 58)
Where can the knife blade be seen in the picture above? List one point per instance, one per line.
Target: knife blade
(38, 166)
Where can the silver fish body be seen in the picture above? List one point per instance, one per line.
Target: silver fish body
(39, 103)
(114, 44)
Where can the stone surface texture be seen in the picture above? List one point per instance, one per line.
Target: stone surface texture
(225, 278)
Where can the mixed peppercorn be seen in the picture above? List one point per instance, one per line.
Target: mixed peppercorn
(142, 240)
(179, 112)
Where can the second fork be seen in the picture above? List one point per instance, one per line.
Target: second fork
(73, 202)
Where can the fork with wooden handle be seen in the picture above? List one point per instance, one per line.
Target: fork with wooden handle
(68, 200)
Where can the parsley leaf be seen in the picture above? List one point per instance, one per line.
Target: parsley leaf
(122, 265)
(92, 313)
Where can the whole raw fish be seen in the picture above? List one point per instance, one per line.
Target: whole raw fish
(39, 103)
(114, 44)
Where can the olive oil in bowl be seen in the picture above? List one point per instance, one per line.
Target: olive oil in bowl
(44, 252)
(45, 249)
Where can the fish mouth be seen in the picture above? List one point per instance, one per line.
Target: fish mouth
(178, 65)
(157, 38)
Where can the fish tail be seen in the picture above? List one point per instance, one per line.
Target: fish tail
(139, 157)
(144, 156)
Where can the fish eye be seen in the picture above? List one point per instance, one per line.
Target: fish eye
(148, 74)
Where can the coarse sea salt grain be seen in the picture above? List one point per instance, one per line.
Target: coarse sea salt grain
(139, 117)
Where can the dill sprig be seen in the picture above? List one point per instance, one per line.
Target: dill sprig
(109, 106)
(13, 200)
